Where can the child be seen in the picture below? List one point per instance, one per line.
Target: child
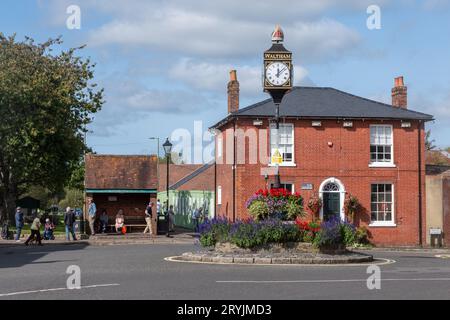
(48, 231)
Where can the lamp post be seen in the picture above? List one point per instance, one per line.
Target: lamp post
(167, 149)
(157, 139)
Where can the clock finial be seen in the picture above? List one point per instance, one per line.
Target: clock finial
(277, 35)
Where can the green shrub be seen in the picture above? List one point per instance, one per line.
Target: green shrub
(348, 234)
(294, 210)
(309, 236)
(207, 240)
(362, 235)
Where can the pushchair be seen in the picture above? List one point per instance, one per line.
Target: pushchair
(5, 231)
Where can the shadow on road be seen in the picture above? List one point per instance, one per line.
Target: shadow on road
(14, 256)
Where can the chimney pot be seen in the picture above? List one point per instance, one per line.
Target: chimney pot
(233, 76)
(399, 81)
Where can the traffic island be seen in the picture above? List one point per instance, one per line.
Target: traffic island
(263, 258)
(276, 254)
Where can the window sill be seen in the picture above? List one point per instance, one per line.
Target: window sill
(381, 165)
(382, 224)
(287, 164)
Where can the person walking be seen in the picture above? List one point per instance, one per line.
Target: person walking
(35, 226)
(196, 217)
(158, 207)
(19, 223)
(171, 218)
(92, 210)
(148, 218)
(69, 220)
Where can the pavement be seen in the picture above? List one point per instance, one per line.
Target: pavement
(133, 271)
(114, 239)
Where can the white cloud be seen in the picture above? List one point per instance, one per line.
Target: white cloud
(215, 76)
(218, 31)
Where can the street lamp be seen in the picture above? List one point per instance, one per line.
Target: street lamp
(156, 138)
(167, 150)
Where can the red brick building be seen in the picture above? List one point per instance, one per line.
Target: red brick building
(334, 144)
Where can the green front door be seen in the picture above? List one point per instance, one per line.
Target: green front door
(331, 204)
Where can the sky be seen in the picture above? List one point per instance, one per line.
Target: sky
(164, 64)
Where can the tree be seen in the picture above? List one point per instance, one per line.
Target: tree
(46, 101)
(429, 143)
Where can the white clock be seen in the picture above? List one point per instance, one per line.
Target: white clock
(278, 73)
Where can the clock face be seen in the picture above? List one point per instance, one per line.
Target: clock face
(277, 73)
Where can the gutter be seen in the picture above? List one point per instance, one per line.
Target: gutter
(419, 158)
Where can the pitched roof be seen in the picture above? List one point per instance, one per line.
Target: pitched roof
(121, 172)
(176, 173)
(326, 103)
(194, 175)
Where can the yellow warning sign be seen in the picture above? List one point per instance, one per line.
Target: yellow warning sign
(276, 157)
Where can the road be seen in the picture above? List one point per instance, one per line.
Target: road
(140, 272)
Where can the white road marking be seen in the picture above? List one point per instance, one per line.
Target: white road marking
(443, 256)
(57, 289)
(327, 281)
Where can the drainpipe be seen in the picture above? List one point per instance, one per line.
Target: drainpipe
(419, 157)
(215, 187)
(234, 170)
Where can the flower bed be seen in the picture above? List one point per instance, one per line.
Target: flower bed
(331, 236)
(276, 218)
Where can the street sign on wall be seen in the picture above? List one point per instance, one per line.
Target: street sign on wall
(276, 157)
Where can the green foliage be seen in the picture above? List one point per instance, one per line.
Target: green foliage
(76, 180)
(362, 235)
(248, 234)
(207, 240)
(429, 143)
(294, 208)
(46, 101)
(348, 234)
(258, 209)
(74, 198)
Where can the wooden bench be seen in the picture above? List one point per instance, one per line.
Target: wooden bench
(131, 222)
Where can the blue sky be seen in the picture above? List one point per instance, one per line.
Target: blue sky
(164, 64)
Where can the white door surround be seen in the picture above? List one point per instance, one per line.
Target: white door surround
(340, 189)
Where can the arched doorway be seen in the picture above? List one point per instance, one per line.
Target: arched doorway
(332, 193)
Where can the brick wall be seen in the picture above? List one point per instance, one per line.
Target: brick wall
(347, 160)
(446, 207)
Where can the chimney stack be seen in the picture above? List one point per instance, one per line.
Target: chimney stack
(399, 94)
(233, 92)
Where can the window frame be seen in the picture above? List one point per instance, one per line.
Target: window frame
(219, 195)
(284, 163)
(390, 223)
(284, 184)
(384, 164)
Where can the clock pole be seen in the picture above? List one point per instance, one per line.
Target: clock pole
(277, 82)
